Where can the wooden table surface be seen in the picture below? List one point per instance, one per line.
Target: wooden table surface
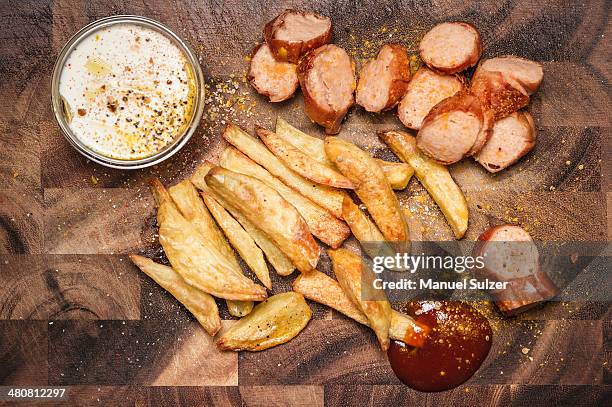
(74, 312)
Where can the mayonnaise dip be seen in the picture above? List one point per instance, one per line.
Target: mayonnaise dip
(128, 91)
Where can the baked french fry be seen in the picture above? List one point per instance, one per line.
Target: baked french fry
(299, 162)
(372, 241)
(270, 212)
(435, 178)
(321, 288)
(240, 240)
(309, 145)
(398, 174)
(372, 188)
(321, 223)
(239, 309)
(326, 197)
(189, 203)
(197, 261)
(350, 272)
(201, 305)
(279, 260)
(273, 322)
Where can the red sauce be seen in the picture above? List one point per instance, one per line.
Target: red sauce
(457, 345)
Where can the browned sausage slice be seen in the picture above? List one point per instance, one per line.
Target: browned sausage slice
(511, 257)
(512, 137)
(488, 120)
(451, 128)
(425, 90)
(327, 79)
(499, 93)
(277, 80)
(293, 33)
(527, 73)
(451, 47)
(384, 80)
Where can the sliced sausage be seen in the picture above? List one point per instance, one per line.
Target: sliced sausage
(511, 257)
(384, 80)
(512, 137)
(451, 47)
(499, 93)
(451, 128)
(276, 80)
(488, 120)
(528, 74)
(327, 79)
(294, 33)
(425, 90)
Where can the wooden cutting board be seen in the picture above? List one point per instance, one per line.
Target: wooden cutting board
(75, 312)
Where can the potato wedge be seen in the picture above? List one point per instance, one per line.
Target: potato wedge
(302, 164)
(321, 288)
(372, 241)
(201, 305)
(275, 321)
(398, 174)
(311, 146)
(196, 260)
(279, 261)
(270, 212)
(321, 223)
(350, 272)
(326, 197)
(189, 203)
(240, 240)
(372, 188)
(435, 178)
(239, 309)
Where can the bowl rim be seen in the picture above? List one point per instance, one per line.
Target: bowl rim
(169, 150)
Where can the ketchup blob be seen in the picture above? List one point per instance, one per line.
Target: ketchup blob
(458, 343)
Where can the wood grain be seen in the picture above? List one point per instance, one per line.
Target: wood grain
(23, 353)
(52, 287)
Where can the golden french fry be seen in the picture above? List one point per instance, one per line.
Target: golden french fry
(270, 212)
(240, 240)
(201, 305)
(319, 287)
(279, 260)
(309, 145)
(372, 188)
(281, 263)
(240, 308)
(398, 174)
(372, 241)
(435, 178)
(321, 223)
(189, 203)
(273, 322)
(350, 272)
(302, 164)
(197, 261)
(326, 197)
